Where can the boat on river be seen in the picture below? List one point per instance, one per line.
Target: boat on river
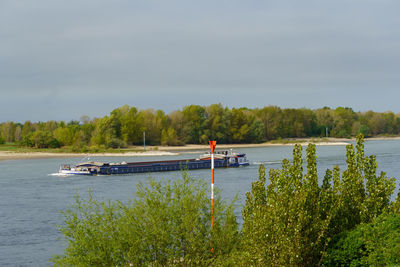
(222, 159)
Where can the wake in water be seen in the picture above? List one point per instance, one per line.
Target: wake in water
(265, 162)
(67, 175)
(59, 174)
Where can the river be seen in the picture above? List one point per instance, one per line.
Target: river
(31, 197)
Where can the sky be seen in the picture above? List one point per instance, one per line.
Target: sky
(60, 60)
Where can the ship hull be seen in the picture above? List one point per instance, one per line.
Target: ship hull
(224, 160)
(161, 166)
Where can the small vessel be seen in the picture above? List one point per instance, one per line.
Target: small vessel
(79, 169)
(234, 159)
(221, 159)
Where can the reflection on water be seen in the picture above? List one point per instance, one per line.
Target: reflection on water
(32, 193)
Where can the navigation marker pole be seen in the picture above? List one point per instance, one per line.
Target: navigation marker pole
(212, 146)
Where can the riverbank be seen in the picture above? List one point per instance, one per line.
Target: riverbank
(281, 142)
(175, 150)
(9, 155)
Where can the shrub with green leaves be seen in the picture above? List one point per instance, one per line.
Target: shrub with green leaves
(167, 224)
(292, 220)
(348, 219)
(373, 244)
(41, 139)
(283, 224)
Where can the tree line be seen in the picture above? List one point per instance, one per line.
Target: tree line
(196, 124)
(289, 219)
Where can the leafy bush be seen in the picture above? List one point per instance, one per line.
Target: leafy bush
(115, 143)
(292, 220)
(364, 130)
(284, 224)
(169, 138)
(27, 141)
(2, 141)
(43, 139)
(40, 139)
(373, 244)
(343, 134)
(168, 224)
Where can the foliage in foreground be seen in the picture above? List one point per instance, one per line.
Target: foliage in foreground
(167, 224)
(293, 221)
(373, 244)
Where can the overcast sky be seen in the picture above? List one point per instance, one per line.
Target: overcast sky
(60, 60)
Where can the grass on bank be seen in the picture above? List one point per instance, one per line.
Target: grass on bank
(299, 140)
(18, 148)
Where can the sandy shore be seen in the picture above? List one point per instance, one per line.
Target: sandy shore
(176, 150)
(8, 155)
(268, 144)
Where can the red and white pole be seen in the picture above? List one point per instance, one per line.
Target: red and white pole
(212, 146)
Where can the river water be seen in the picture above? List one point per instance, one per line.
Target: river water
(31, 197)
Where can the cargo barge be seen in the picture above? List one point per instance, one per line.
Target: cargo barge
(222, 159)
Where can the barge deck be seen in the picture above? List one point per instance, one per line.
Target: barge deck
(224, 159)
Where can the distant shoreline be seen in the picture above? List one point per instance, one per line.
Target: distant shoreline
(9, 155)
(176, 150)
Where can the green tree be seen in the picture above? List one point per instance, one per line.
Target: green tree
(374, 244)
(343, 120)
(27, 128)
(167, 224)
(85, 133)
(359, 128)
(132, 126)
(176, 121)
(169, 138)
(239, 129)
(42, 139)
(216, 124)
(362, 194)
(8, 131)
(396, 204)
(64, 135)
(193, 118)
(325, 120)
(105, 132)
(256, 132)
(297, 123)
(292, 221)
(271, 118)
(153, 124)
(283, 223)
(50, 126)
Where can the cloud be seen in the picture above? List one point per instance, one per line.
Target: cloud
(244, 53)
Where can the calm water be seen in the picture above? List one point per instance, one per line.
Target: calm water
(31, 198)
